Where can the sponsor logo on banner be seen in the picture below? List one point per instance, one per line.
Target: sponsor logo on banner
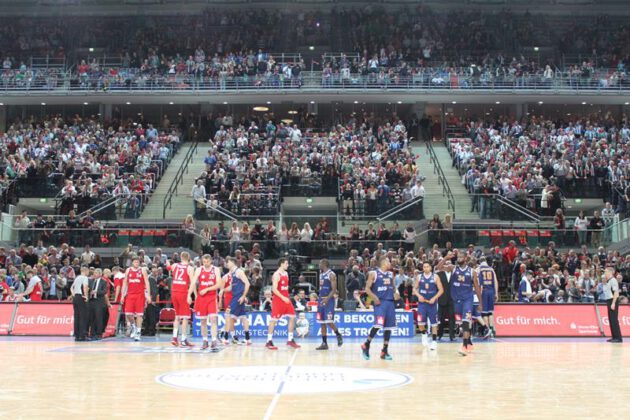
(275, 379)
(546, 320)
(624, 319)
(52, 319)
(6, 310)
(350, 324)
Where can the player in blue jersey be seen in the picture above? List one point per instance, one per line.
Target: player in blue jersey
(428, 288)
(381, 289)
(326, 303)
(464, 284)
(240, 287)
(489, 295)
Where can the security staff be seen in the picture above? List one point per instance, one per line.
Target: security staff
(151, 311)
(611, 295)
(79, 291)
(97, 304)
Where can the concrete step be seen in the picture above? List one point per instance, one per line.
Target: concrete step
(154, 209)
(462, 198)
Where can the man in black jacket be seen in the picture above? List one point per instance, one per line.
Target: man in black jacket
(445, 303)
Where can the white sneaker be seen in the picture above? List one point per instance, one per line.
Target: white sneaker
(425, 340)
(433, 345)
(136, 337)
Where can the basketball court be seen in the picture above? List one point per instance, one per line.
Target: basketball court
(541, 378)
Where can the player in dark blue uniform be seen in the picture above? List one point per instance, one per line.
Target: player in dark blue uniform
(326, 303)
(381, 289)
(240, 287)
(489, 294)
(428, 288)
(464, 284)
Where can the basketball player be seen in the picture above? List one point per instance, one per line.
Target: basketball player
(489, 295)
(381, 289)
(465, 284)
(428, 288)
(281, 304)
(326, 304)
(240, 286)
(225, 296)
(181, 274)
(206, 281)
(135, 296)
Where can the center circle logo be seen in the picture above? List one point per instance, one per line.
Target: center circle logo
(281, 379)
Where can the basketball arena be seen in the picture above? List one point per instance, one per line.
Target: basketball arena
(324, 209)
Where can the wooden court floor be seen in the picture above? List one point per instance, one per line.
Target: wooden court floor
(507, 378)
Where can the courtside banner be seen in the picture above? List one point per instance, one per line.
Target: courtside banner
(6, 312)
(547, 320)
(52, 319)
(624, 319)
(350, 324)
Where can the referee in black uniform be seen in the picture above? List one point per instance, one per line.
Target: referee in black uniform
(79, 291)
(611, 294)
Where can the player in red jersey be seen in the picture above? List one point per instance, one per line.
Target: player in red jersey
(225, 296)
(181, 274)
(135, 296)
(206, 281)
(281, 304)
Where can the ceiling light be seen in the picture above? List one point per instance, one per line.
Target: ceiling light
(540, 102)
(312, 102)
(356, 102)
(225, 103)
(626, 103)
(583, 103)
(292, 112)
(498, 102)
(44, 103)
(261, 109)
(171, 103)
(85, 103)
(128, 103)
(399, 102)
(287, 121)
(1, 103)
(268, 102)
(454, 102)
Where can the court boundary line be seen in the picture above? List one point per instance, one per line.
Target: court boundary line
(278, 393)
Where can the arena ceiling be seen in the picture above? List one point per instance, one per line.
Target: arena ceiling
(118, 7)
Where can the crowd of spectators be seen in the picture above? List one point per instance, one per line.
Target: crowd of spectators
(537, 161)
(216, 50)
(84, 162)
(368, 163)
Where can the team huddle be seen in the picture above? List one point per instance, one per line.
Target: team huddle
(205, 288)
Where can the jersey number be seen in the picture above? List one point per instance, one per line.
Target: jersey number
(179, 273)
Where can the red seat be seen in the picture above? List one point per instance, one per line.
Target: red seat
(166, 320)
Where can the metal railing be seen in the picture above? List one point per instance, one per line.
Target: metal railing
(133, 80)
(437, 169)
(179, 177)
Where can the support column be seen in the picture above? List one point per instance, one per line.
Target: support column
(106, 111)
(3, 118)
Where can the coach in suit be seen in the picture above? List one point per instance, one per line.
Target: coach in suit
(97, 304)
(445, 303)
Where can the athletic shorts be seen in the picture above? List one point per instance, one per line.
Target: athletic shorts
(180, 304)
(487, 299)
(428, 313)
(463, 309)
(205, 306)
(385, 315)
(280, 309)
(134, 304)
(236, 309)
(326, 313)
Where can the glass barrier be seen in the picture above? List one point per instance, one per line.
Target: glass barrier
(427, 79)
(330, 245)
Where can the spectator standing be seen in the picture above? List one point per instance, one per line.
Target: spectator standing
(581, 225)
